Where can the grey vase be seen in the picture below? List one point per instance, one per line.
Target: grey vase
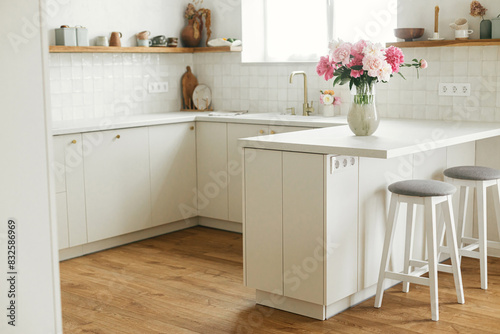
(485, 29)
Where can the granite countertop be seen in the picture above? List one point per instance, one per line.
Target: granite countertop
(394, 137)
(122, 122)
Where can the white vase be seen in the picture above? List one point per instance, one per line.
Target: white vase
(328, 110)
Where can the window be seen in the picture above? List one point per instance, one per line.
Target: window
(299, 31)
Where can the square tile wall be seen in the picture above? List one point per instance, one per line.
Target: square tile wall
(266, 87)
(101, 85)
(93, 85)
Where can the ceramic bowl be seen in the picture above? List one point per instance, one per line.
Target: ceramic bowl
(409, 34)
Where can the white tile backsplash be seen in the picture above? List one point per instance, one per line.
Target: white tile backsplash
(96, 85)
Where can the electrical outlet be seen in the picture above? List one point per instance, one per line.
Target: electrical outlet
(454, 89)
(158, 87)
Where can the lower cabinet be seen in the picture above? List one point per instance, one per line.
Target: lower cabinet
(117, 182)
(301, 225)
(172, 159)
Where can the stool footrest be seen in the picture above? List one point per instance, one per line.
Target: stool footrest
(407, 278)
(424, 267)
(491, 244)
(469, 253)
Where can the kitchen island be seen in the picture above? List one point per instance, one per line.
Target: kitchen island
(315, 205)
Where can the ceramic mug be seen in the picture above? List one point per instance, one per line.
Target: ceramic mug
(463, 34)
(159, 40)
(114, 40)
(144, 42)
(143, 35)
(101, 41)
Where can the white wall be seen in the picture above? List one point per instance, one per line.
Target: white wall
(24, 180)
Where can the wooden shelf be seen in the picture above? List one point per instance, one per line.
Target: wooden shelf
(430, 44)
(135, 49)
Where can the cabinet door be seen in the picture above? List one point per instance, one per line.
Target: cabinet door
(172, 154)
(263, 251)
(68, 170)
(62, 221)
(211, 143)
(303, 226)
(234, 164)
(117, 183)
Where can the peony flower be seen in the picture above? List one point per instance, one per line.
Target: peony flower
(373, 49)
(372, 64)
(336, 101)
(330, 71)
(384, 73)
(359, 46)
(327, 99)
(342, 54)
(423, 64)
(395, 57)
(323, 65)
(356, 73)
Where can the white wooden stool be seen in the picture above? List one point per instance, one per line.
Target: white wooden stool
(478, 178)
(428, 193)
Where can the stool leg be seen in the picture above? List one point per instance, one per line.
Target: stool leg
(410, 226)
(496, 199)
(462, 214)
(451, 241)
(389, 234)
(430, 224)
(481, 226)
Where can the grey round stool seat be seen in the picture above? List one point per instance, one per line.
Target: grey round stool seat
(422, 188)
(478, 173)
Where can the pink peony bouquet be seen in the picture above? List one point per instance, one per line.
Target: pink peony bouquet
(362, 64)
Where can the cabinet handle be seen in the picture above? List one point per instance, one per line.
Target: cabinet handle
(261, 131)
(272, 132)
(191, 128)
(73, 141)
(118, 137)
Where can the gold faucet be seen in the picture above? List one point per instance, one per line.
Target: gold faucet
(306, 107)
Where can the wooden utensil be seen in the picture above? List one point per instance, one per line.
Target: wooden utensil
(189, 83)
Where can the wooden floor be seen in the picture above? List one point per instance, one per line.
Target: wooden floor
(191, 282)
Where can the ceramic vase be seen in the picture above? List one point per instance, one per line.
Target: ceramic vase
(191, 34)
(485, 29)
(363, 118)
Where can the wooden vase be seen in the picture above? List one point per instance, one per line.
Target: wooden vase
(191, 34)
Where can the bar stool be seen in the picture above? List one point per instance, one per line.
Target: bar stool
(478, 178)
(428, 193)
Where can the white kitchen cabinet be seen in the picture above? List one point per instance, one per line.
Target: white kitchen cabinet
(234, 155)
(172, 151)
(263, 229)
(117, 182)
(213, 178)
(67, 168)
(301, 228)
(234, 164)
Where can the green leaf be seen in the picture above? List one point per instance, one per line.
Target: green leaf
(357, 67)
(336, 81)
(350, 84)
(402, 76)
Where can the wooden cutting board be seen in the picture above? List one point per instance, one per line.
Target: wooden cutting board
(189, 83)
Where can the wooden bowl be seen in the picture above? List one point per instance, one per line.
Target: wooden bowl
(409, 34)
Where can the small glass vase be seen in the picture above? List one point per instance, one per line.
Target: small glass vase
(363, 117)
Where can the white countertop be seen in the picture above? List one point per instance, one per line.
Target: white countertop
(393, 138)
(100, 124)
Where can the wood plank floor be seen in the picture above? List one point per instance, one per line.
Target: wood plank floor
(191, 282)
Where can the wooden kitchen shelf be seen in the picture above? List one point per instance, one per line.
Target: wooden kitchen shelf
(430, 44)
(135, 49)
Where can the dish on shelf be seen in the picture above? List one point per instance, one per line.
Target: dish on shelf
(202, 97)
(409, 34)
